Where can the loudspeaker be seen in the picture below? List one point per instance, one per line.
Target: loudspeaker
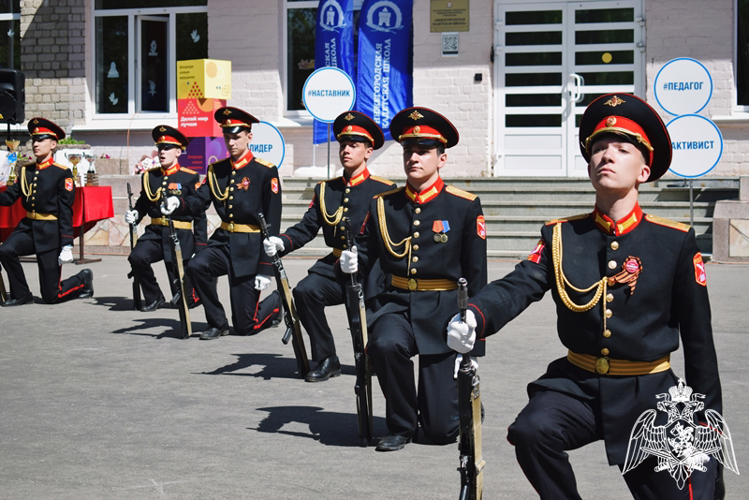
(12, 96)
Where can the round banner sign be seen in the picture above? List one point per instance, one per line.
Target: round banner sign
(268, 143)
(683, 86)
(697, 145)
(327, 93)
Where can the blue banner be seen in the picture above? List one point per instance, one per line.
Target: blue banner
(334, 46)
(385, 84)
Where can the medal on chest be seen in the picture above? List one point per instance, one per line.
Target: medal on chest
(631, 270)
(244, 183)
(440, 229)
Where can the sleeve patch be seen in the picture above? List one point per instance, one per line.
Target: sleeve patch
(535, 255)
(481, 227)
(312, 203)
(274, 185)
(69, 184)
(699, 270)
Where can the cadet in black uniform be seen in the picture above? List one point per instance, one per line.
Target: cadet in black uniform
(426, 236)
(626, 285)
(347, 196)
(47, 192)
(240, 187)
(154, 244)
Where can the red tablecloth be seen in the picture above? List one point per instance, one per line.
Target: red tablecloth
(92, 204)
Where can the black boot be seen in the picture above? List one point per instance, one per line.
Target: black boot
(328, 367)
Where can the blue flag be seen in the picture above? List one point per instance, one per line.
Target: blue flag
(384, 85)
(334, 46)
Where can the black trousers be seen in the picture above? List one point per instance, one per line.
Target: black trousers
(553, 422)
(311, 296)
(145, 253)
(52, 288)
(248, 317)
(435, 405)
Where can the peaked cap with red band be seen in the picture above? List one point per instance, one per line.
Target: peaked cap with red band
(355, 125)
(633, 119)
(164, 134)
(423, 123)
(41, 126)
(232, 120)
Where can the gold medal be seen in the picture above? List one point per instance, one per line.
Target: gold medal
(443, 238)
(437, 238)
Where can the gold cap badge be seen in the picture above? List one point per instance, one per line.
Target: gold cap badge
(349, 117)
(611, 121)
(162, 129)
(415, 115)
(614, 102)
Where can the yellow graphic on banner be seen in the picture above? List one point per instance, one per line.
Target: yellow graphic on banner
(204, 79)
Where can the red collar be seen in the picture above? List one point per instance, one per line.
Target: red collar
(45, 163)
(243, 161)
(358, 179)
(171, 170)
(620, 227)
(427, 194)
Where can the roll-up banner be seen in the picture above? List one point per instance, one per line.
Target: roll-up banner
(384, 82)
(334, 46)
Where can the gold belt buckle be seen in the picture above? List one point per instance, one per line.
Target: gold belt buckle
(412, 285)
(231, 227)
(602, 365)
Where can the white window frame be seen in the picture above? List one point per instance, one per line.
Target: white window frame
(145, 119)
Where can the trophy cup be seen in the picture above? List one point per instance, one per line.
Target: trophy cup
(92, 179)
(75, 159)
(12, 158)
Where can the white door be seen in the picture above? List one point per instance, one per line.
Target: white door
(551, 60)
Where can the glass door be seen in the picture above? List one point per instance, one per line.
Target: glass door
(153, 68)
(551, 60)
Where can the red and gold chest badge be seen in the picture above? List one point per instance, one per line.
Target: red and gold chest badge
(274, 185)
(481, 227)
(244, 183)
(631, 270)
(197, 185)
(535, 255)
(69, 184)
(699, 270)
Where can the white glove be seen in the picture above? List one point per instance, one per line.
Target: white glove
(131, 217)
(172, 203)
(459, 360)
(349, 261)
(273, 245)
(66, 255)
(461, 336)
(262, 282)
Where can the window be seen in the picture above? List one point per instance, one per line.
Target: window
(742, 53)
(137, 46)
(301, 20)
(10, 31)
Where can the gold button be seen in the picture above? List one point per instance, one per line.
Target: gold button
(607, 333)
(231, 197)
(609, 313)
(612, 264)
(343, 237)
(348, 190)
(345, 200)
(416, 234)
(33, 185)
(233, 172)
(416, 247)
(231, 188)
(413, 271)
(343, 228)
(416, 223)
(605, 351)
(418, 210)
(231, 206)
(231, 215)
(609, 297)
(614, 245)
(345, 209)
(415, 259)
(345, 247)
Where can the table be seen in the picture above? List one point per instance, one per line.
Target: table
(92, 204)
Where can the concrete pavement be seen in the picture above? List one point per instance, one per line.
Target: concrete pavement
(102, 402)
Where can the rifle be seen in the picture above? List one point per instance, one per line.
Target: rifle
(358, 326)
(137, 304)
(469, 404)
(290, 316)
(179, 277)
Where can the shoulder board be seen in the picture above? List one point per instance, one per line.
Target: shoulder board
(567, 219)
(459, 192)
(389, 192)
(667, 222)
(381, 179)
(263, 162)
(60, 166)
(189, 171)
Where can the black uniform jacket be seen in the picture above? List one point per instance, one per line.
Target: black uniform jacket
(177, 181)
(240, 191)
(340, 199)
(438, 210)
(45, 189)
(670, 296)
